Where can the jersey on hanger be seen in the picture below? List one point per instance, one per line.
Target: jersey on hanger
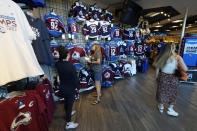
(130, 48)
(91, 29)
(72, 27)
(112, 51)
(122, 48)
(76, 52)
(55, 51)
(129, 34)
(139, 49)
(109, 16)
(105, 29)
(107, 76)
(116, 33)
(55, 25)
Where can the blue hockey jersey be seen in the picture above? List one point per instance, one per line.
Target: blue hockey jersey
(112, 51)
(72, 27)
(122, 48)
(129, 34)
(54, 24)
(32, 3)
(106, 28)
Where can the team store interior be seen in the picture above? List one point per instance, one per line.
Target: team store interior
(131, 35)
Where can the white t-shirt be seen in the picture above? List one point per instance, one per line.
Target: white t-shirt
(17, 58)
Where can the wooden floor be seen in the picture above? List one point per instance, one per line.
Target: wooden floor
(130, 106)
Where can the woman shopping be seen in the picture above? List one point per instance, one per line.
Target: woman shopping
(95, 60)
(168, 83)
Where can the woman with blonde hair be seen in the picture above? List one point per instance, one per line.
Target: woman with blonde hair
(166, 64)
(95, 60)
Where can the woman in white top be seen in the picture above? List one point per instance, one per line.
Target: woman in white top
(166, 64)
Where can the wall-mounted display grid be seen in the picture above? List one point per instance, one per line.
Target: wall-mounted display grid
(61, 8)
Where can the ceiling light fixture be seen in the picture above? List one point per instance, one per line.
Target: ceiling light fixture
(174, 26)
(168, 15)
(158, 26)
(156, 30)
(177, 21)
(165, 14)
(181, 24)
(158, 23)
(168, 30)
(169, 19)
(162, 12)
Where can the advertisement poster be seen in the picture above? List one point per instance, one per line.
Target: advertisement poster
(190, 52)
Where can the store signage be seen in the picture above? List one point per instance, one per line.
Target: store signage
(190, 52)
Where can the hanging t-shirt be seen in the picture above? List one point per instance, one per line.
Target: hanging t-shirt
(16, 53)
(41, 45)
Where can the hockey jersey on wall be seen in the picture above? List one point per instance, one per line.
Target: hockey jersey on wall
(107, 76)
(95, 13)
(130, 48)
(55, 51)
(72, 28)
(138, 33)
(109, 16)
(129, 34)
(76, 51)
(116, 33)
(79, 12)
(122, 48)
(139, 49)
(112, 51)
(91, 29)
(106, 28)
(55, 25)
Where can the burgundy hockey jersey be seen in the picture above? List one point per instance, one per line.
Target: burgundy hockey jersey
(75, 54)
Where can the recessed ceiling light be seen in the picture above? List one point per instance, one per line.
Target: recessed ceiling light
(168, 15)
(162, 12)
(181, 24)
(169, 19)
(174, 26)
(158, 26)
(156, 30)
(158, 23)
(168, 30)
(165, 14)
(189, 24)
(177, 21)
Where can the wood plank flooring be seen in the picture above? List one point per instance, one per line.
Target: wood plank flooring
(129, 105)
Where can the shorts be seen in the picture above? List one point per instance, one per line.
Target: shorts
(97, 76)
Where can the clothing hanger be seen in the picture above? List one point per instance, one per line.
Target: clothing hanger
(53, 40)
(52, 11)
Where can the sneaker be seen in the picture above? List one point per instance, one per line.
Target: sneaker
(73, 113)
(172, 112)
(71, 125)
(160, 109)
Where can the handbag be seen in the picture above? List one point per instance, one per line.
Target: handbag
(183, 75)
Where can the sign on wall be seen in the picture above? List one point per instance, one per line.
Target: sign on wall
(190, 52)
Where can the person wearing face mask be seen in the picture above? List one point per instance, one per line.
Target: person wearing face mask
(95, 61)
(167, 83)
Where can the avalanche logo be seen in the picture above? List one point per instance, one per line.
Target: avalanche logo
(35, 30)
(76, 55)
(21, 119)
(8, 23)
(107, 75)
(91, 82)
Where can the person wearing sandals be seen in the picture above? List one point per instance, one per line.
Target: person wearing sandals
(68, 83)
(95, 61)
(167, 83)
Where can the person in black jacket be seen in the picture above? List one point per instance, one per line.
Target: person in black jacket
(68, 84)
